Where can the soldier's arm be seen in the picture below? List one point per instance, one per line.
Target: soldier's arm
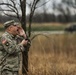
(11, 47)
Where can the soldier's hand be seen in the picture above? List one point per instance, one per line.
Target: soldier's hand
(21, 31)
(24, 42)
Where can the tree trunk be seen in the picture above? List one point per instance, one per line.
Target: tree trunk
(25, 53)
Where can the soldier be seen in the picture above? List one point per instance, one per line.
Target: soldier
(12, 44)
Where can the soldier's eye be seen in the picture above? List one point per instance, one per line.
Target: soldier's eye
(14, 25)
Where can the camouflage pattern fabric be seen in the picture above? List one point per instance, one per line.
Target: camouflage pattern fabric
(10, 52)
(9, 73)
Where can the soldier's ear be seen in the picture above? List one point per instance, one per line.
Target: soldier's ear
(9, 28)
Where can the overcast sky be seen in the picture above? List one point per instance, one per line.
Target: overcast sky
(48, 6)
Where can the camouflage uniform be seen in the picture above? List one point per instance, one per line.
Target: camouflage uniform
(10, 54)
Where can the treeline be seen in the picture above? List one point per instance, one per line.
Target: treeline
(54, 18)
(41, 18)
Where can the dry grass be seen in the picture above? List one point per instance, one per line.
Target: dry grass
(48, 24)
(53, 56)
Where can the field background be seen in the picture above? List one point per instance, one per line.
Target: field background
(54, 54)
(44, 26)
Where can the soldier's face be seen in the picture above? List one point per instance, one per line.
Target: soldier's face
(14, 29)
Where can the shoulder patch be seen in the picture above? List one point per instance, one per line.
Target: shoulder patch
(4, 41)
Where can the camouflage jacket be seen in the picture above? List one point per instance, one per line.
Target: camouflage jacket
(10, 51)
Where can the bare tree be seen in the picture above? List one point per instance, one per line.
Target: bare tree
(70, 2)
(65, 9)
(33, 5)
(17, 8)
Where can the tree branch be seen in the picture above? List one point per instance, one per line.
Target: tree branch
(7, 4)
(15, 9)
(43, 4)
(9, 15)
(32, 9)
(6, 10)
(12, 7)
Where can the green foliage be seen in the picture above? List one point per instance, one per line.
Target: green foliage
(1, 29)
(44, 28)
(48, 28)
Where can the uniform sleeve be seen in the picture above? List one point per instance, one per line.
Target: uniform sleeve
(10, 46)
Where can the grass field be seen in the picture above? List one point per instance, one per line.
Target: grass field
(55, 55)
